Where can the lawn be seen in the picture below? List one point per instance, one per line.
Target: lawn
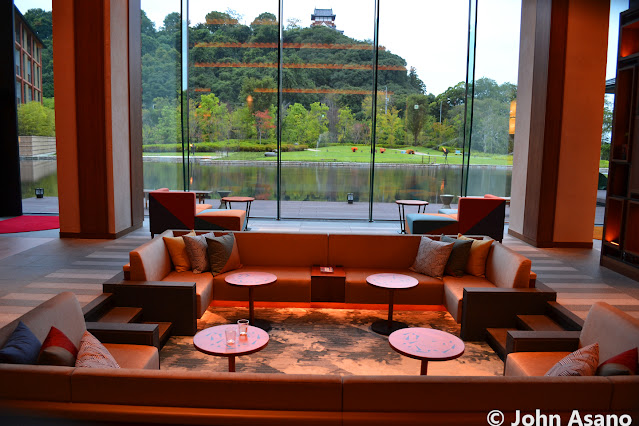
(344, 154)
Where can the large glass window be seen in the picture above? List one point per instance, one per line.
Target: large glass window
(330, 113)
(16, 58)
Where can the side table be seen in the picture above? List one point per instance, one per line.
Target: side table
(247, 200)
(328, 286)
(391, 282)
(421, 208)
(212, 341)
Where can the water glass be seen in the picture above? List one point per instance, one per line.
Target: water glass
(229, 332)
(242, 325)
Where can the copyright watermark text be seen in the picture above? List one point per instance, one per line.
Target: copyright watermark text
(497, 418)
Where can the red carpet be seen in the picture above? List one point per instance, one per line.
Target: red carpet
(28, 224)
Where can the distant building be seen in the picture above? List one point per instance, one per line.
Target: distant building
(28, 61)
(324, 17)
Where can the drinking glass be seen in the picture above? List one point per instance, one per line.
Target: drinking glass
(229, 332)
(242, 325)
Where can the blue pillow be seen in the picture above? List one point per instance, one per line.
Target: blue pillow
(22, 347)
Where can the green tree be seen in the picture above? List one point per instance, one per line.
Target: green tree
(416, 112)
(606, 130)
(34, 119)
(214, 118)
(345, 124)
(294, 125)
(317, 122)
(42, 23)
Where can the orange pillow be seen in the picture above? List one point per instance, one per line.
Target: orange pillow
(177, 251)
(479, 250)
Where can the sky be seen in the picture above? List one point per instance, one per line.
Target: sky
(431, 35)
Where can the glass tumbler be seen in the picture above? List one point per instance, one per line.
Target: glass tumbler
(229, 332)
(242, 325)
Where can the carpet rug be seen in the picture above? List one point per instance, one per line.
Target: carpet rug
(329, 341)
(29, 224)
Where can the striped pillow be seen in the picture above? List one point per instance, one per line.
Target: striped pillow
(582, 362)
(93, 354)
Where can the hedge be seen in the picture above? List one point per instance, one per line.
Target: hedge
(231, 145)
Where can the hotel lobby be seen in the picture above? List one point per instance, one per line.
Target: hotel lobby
(322, 360)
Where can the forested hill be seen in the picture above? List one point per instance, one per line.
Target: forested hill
(232, 60)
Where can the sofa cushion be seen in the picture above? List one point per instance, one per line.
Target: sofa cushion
(201, 207)
(454, 292)
(293, 285)
(429, 290)
(478, 254)
(280, 249)
(506, 268)
(363, 251)
(431, 223)
(196, 248)
(458, 259)
(177, 251)
(624, 364)
(223, 254)
(531, 363)
(582, 362)
(432, 257)
(134, 356)
(22, 346)
(203, 287)
(220, 219)
(601, 319)
(93, 354)
(57, 349)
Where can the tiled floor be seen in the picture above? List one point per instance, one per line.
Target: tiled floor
(35, 266)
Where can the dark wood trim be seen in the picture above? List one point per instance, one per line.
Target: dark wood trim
(88, 21)
(11, 189)
(620, 267)
(100, 235)
(135, 113)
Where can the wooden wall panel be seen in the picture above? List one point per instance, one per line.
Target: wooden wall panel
(135, 111)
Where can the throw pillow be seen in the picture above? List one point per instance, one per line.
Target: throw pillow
(196, 249)
(624, 364)
(93, 354)
(223, 254)
(432, 257)
(57, 349)
(177, 251)
(458, 259)
(582, 362)
(479, 250)
(22, 346)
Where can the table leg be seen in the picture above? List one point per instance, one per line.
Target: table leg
(400, 208)
(232, 364)
(424, 367)
(248, 214)
(251, 307)
(259, 323)
(387, 326)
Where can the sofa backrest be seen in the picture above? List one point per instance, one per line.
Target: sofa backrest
(613, 329)
(482, 216)
(280, 249)
(506, 268)
(62, 311)
(373, 251)
(151, 261)
(204, 389)
(171, 210)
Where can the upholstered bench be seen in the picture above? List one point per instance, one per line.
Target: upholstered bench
(431, 223)
(222, 218)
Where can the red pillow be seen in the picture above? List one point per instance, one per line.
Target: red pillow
(624, 364)
(57, 349)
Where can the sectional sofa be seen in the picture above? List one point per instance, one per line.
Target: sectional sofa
(139, 395)
(291, 256)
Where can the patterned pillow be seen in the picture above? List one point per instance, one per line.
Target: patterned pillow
(177, 251)
(432, 257)
(478, 254)
(223, 254)
(582, 362)
(624, 364)
(196, 249)
(57, 349)
(458, 259)
(93, 354)
(22, 346)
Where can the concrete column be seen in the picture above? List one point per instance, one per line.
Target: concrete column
(560, 97)
(98, 118)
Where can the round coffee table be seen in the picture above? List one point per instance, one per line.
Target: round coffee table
(250, 280)
(391, 282)
(402, 215)
(212, 341)
(426, 344)
(247, 200)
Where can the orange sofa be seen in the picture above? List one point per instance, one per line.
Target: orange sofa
(291, 256)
